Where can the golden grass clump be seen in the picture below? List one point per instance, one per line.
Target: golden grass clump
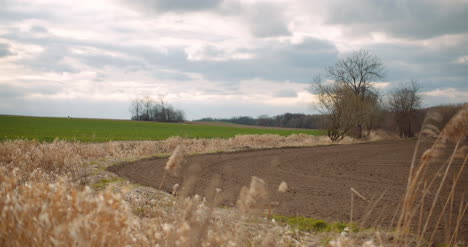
(58, 214)
(174, 163)
(457, 127)
(54, 214)
(283, 187)
(252, 197)
(42, 205)
(425, 208)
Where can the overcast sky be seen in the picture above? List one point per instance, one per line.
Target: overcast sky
(215, 58)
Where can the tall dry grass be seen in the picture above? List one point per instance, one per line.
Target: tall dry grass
(44, 203)
(426, 211)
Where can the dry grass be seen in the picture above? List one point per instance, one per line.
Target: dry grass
(72, 158)
(424, 205)
(45, 200)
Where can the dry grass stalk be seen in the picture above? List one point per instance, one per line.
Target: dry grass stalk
(174, 164)
(45, 205)
(283, 187)
(422, 182)
(353, 191)
(252, 197)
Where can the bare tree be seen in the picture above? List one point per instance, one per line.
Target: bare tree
(339, 105)
(148, 110)
(147, 105)
(136, 108)
(371, 111)
(357, 72)
(404, 102)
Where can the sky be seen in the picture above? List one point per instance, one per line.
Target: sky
(215, 58)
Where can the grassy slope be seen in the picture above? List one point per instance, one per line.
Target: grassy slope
(98, 130)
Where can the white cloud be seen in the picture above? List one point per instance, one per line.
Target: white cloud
(381, 85)
(445, 96)
(219, 53)
(449, 93)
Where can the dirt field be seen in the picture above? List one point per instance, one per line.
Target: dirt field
(319, 178)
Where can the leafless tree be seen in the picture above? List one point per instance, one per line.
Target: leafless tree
(148, 110)
(136, 108)
(147, 105)
(339, 105)
(404, 102)
(357, 72)
(371, 111)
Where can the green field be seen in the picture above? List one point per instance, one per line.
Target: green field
(101, 130)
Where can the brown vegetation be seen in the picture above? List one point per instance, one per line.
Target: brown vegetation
(44, 203)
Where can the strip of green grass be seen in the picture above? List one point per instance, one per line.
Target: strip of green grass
(313, 225)
(101, 130)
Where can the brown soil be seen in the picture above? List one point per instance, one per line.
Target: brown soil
(319, 178)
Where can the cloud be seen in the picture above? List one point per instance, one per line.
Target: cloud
(269, 60)
(266, 20)
(431, 65)
(286, 93)
(262, 19)
(174, 5)
(21, 91)
(445, 96)
(38, 29)
(4, 50)
(418, 19)
(231, 57)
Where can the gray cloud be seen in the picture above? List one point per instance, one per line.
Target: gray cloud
(4, 50)
(7, 91)
(418, 19)
(266, 20)
(262, 19)
(433, 68)
(272, 60)
(11, 11)
(276, 61)
(15, 91)
(286, 93)
(174, 5)
(38, 29)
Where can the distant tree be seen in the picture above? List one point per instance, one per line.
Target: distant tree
(372, 109)
(264, 120)
(340, 106)
(147, 105)
(136, 108)
(148, 110)
(404, 103)
(290, 120)
(357, 72)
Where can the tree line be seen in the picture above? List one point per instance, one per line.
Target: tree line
(147, 109)
(351, 105)
(287, 120)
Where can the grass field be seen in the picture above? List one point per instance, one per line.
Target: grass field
(100, 130)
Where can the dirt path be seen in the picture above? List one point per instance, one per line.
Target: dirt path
(319, 177)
